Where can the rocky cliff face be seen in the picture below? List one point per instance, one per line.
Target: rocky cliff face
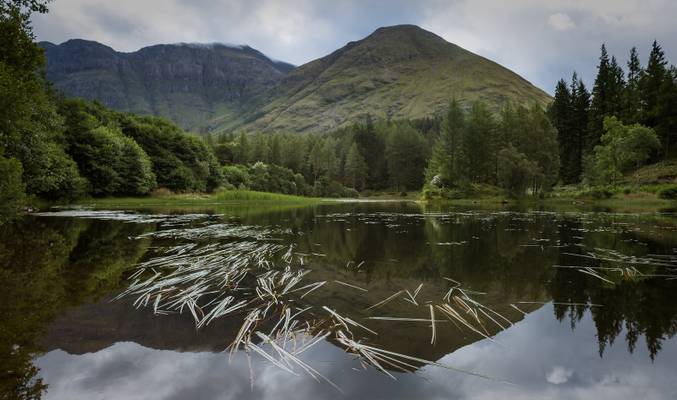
(187, 83)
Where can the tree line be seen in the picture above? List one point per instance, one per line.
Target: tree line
(516, 150)
(621, 105)
(57, 148)
(364, 156)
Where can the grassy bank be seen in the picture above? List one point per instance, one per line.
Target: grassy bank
(198, 199)
(253, 196)
(644, 197)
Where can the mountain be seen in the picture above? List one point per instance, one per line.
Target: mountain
(396, 72)
(188, 83)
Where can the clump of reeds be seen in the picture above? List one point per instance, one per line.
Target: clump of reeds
(617, 267)
(265, 283)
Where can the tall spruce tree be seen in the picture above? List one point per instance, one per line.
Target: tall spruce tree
(561, 116)
(448, 159)
(650, 84)
(580, 104)
(356, 168)
(632, 101)
(666, 127)
(479, 144)
(606, 97)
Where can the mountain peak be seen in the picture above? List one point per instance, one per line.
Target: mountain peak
(409, 29)
(396, 72)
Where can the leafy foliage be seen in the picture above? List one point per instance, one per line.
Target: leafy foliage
(12, 188)
(519, 151)
(623, 149)
(646, 95)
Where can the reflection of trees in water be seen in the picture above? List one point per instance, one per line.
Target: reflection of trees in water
(645, 306)
(47, 265)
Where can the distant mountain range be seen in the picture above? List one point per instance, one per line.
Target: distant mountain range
(187, 83)
(396, 72)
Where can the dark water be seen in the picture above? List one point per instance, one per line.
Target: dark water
(566, 334)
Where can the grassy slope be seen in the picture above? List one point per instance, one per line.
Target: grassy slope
(397, 72)
(637, 192)
(187, 84)
(229, 196)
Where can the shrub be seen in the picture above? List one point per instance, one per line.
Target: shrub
(161, 192)
(668, 193)
(12, 189)
(597, 193)
(236, 175)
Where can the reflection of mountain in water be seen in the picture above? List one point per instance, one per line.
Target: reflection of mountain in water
(57, 271)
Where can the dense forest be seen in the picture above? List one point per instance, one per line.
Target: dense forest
(57, 149)
(627, 120)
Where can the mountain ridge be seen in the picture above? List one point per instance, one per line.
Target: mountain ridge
(184, 82)
(396, 72)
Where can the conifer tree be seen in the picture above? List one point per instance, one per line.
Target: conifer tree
(478, 144)
(631, 95)
(650, 84)
(667, 112)
(356, 168)
(580, 104)
(448, 159)
(606, 97)
(561, 116)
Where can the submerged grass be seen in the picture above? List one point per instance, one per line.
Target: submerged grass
(263, 283)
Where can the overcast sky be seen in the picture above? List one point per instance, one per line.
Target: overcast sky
(541, 40)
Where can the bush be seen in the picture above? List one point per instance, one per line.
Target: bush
(351, 193)
(12, 189)
(237, 176)
(597, 193)
(516, 172)
(668, 193)
(161, 192)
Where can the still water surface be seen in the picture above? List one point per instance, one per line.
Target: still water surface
(565, 334)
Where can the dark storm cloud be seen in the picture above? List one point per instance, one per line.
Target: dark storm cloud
(541, 40)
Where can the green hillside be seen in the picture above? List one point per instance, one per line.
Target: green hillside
(396, 72)
(187, 83)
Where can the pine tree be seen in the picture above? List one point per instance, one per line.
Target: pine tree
(356, 168)
(448, 158)
(616, 88)
(478, 144)
(406, 156)
(371, 145)
(650, 85)
(667, 112)
(606, 97)
(580, 104)
(632, 103)
(242, 153)
(561, 116)
(275, 151)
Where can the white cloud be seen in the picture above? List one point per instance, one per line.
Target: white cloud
(536, 344)
(561, 22)
(536, 39)
(559, 375)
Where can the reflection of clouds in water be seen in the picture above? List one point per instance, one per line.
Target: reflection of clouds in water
(543, 358)
(559, 375)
